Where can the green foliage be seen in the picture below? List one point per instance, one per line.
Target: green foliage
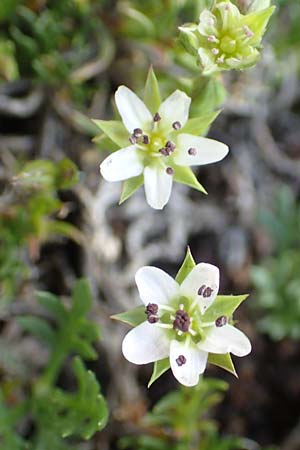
(56, 413)
(276, 279)
(179, 421)
(29, 218)
(8, 65)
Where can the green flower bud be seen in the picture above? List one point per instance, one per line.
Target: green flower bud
(227, 39)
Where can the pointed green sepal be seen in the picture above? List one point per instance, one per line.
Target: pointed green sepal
(129, 187)
(152, 96)
(185, 175)
(159, 368)
(187, 265)
(199, 125)
(223, 361)
(133, 317)
(224, 305)
(257, 22)
(115, 130)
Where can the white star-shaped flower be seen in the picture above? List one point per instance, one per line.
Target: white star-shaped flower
(175, 324)
(158, 144)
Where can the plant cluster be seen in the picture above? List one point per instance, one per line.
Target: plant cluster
(56, 413)
(184, 324)
(276, 282)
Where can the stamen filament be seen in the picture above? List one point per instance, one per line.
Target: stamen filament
(167, 308)
(164, 325)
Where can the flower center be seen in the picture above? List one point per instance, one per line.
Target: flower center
(182, 321)
(228, 44)
(155, 144)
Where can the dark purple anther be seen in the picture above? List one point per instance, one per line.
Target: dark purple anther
(156, 117)
(176, 125)
(151, 312)
(137, 132)
(182, 321)
(170, 171)
(181, 360)
(164, 151)
(170, 146)
(192, 151)
(205, 291)
(221, 321)
(145, 139)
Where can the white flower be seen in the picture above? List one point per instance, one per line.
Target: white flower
(176, 326)
(158, 145)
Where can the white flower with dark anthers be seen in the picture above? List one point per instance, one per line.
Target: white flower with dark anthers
(158, 144)
(175, 325)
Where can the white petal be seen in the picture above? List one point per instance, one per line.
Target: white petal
(207, 24)
(133, 110)
(195, 362)
(205, 151)
(230, 15)
(155, 285)
(174, 109)
(208, 61)
(146, 343)
(158, 186)
(202, 283)
(121, 165)
(226, 339)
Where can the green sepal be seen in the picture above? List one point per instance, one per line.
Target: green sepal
(129, 187)
(133, 317)
(257, 22)
(115, 130)
(199, 125)
(152, 97)
(187, 265)
(188, 38)
(224, 361)
(185, 175)
(223, 305)
(159, 368)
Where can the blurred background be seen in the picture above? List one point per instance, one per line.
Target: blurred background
(60, 63)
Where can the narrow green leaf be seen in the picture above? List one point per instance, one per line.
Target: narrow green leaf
(199, 125)
(159, 368)
(129, 187)
(62, 228)
(133, 317)
(37, 327)
(115, 130)
(208, 94)
(82, 298)
(152, 96)
(224, 305)
(187, 265)
(83, 348)
(185, 175)
(223, 361)
(52, 303)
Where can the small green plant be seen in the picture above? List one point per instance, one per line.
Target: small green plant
(56, 413)
(181, 421)
(30, 218)
(277, 281)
